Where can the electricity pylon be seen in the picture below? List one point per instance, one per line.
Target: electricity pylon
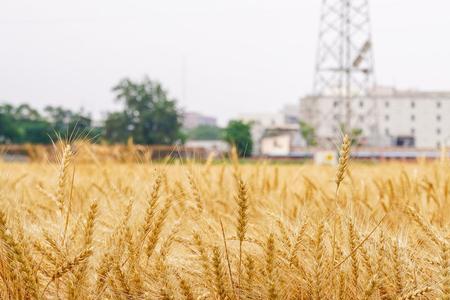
(344, 63)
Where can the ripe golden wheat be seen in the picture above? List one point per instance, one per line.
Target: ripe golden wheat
(123, 230)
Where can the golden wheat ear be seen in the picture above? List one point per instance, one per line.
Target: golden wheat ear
(220, 286)
(242, 221)
(61, 188)
(344, 157)
(185, 287)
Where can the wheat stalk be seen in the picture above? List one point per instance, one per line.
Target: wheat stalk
(242, 222)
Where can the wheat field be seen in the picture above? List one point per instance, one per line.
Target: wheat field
(224, 230)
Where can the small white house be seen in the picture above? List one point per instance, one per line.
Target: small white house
(278, 145)
(281, 141)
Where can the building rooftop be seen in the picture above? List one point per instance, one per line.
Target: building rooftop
(382, 92)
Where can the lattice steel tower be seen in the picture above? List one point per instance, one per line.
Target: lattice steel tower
(344, 61)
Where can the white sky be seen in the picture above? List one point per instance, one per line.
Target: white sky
(239, 55)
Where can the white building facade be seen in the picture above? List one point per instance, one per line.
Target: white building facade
(388, 118)
(288, 118)
(260, 122)
(281, 141)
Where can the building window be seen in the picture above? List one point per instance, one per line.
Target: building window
(335, 103)
(438, 118)
(438, 131)
(413, 117)
(386, 104)
(413, 131)
(438, 144)
(386, 131)
(386, 117)
(413, 104)
(361, 104)
(438, 104)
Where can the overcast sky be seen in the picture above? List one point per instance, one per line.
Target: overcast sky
(234, 55)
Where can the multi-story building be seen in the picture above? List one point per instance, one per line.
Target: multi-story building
(389, 117)
(193, 119)
(291, 114)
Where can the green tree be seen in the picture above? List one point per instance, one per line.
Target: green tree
(117, 128)
(67, 123)
(355, 134)
(238, 133)
(24, 124)
(149, 116)
(308, 133)
(205, 132)
(8, 132)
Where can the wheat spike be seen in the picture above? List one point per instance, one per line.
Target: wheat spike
(344, 156)
(445, 270)
(270, 267)
(218, 274)
(353, 241)
(152, 203)
(186, 289)
(416, 293)
(157, 228)
(318, 262)
(63, 174)
(242, 221)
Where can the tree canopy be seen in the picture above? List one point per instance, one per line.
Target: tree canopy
(149, 116)
(206, 132)
(308, 133)
(239, 134)
(24, 124)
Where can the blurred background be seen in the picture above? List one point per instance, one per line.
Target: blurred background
(279, 79)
